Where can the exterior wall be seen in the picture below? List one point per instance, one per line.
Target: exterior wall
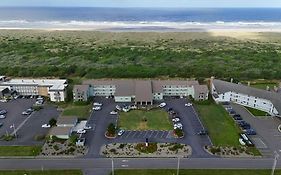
(173, 90)
(25, 90)
(123, 99)
(57, 96)
(103, 90)
(43, 91)
(158, 96)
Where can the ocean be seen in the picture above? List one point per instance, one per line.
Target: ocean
(138, 18)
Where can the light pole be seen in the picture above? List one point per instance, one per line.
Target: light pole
(178, 166)
(112, 166)
(276, 156)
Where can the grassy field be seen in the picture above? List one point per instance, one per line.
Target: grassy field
(221, 127)
(46, 172)
(155, 119)
(81, 111)
(20, 150)
(140, 54)
(264, 85)
(195, 172)
(256, 112)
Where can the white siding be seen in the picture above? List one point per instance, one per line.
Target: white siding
(123, 99)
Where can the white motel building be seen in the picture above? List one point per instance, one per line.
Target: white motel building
(55, 89)
(139, 91)
(267, 101)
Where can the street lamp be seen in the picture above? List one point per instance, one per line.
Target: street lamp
(112, 166)
(276, 156)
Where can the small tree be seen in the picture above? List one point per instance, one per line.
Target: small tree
(178, 132)
(111, 130)
(53, 122)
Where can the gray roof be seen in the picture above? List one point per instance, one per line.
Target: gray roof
(143, 91)
(125, 87)
(66, 120)
(201, 89)
(81, 88)
(224, 86)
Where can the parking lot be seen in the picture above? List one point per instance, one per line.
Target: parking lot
(268, 137)
(99, 120)
(25, 127)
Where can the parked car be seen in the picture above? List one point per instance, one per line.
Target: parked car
(1, 124)
(237, 118)
(202, 132)
(178, 125)
(97, 104)
(133, 107)
(96, 108)
(161, 105)
(126, 109)
(120, 132)
(2, 112)
(46, 126)
(175, 120)
(26, 112)
(87, 127)
(2, 116)
(118, 108)
(81, 131)
(188, 104)
(113, 112)
(250, 131)
(4, 100)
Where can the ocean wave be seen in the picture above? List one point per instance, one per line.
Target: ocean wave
(73, 24)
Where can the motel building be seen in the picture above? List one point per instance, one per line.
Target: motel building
(267, 101)
(55, 89)
(143, 92)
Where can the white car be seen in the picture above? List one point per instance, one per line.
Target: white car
(118, 108)
(46, 126)
(2, 116)
(133, 107)
(188, 104)
(97, 104)
(126, 109)
(113, 112)
(178, 125)
(175, 119)
(120, 132)
(81, 131)
(87, 127)
(162, 105)
(96, 108)
(4, 100)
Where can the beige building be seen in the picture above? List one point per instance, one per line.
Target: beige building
(142, 91)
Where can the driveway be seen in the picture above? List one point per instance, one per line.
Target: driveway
(99, 120)
(268, 137)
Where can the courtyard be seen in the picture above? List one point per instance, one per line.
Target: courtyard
(154, 119)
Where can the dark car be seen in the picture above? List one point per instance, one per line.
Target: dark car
(1, 124)
(237, 115)
(2, 112)
(237, 118)
(250, 131)
(202, 132)
(246, 126)
(231, 112)
(225, 103)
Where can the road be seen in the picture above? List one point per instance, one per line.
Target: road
(137, 163)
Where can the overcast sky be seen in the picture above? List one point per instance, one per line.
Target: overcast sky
(144, 3)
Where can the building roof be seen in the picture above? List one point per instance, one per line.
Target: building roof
(125, 87)
(53, 84)
(66, 120)
(201, 89)
(143, 91)
(81, 88)
(60, 131)
(224, 86)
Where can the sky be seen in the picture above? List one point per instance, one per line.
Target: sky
(143, 3)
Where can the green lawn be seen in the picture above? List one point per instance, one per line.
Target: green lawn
(155, 119)
(195, 172)
(39, 172)
(81, 111)
(221, 127)
(256, 112)
(20, 150)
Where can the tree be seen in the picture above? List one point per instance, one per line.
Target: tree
(53, 122)
(111, 130)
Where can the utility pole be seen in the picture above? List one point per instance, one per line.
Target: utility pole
(276, 156)
(178, 166)
(112, 166)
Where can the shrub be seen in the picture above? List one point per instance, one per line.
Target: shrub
(176, 147)
(151, 148)
(52, 122)
(39, 137)
(111, 130)
(178, 132)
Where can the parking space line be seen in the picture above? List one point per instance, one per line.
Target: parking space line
(141, 134)
(145, 134)
(135, 132)
(128, 134)
(163, 134)
(150, 134)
